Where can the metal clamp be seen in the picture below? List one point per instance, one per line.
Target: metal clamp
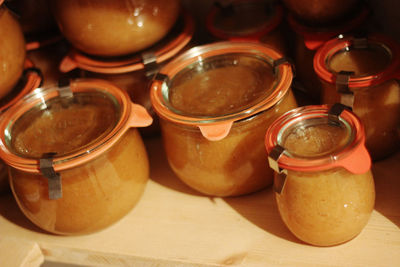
(342, 87)
(149, 60)
(53, 178)
(281, 174)
(64, 88)
(335, 111)
(284, 60)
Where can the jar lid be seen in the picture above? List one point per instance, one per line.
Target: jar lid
(214, 85)
(243, 20)
(317, 138)
(73, 123)
(314, 37)
(367, 60)
(175, 41)
(30, 80)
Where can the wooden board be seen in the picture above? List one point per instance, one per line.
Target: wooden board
(173, 225)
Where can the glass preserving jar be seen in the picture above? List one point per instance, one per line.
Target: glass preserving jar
(215, 102)
(114, 28)
(12, 52)
(364, 73)
(30, 80)
(308, 39)
(77, 163)
(134, 73)
(323, 184)
(318, 12)
(255, 20)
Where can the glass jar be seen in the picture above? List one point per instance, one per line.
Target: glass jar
(30, 80)
(214, 102)
(364, 74)
(323, 184)
(134, 73)
(254, 20)
(77, 163)
(308, 39)
(12, 52)
(114, 28)
(318, 12)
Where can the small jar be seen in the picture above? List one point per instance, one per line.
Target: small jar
(254, 20)
(12, 51)
(114, 28)
(364, 73)
(134, 73)
(323, 184)
(308, 39)
(77, 163)
(215, 102)
(30, 80)
(319, 12)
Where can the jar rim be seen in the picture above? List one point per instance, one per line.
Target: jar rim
(79, 156)
(333, 46)
(353, 156)
(274, 20)
(76, 59)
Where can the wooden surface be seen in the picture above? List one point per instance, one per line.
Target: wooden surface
(174, 226)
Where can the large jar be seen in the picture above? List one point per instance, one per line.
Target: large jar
(114, 28)
(30, 80)
(215, 102)
(308, 39)
(134, 73)
(12, 51)
(77, 163)
(318, 12)
(323, 184)
(364, 74)
(254, 20)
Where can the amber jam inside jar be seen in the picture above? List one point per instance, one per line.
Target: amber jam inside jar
(215, 101)
(12, 52)
(323, 182)
(76, 162)
(254, 20)
(363, 73)
(114, 28)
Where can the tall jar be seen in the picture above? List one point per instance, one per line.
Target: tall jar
(77, 163)
(308, 39)
(134, 73)
(215, 102)
(323, 184)
(114, 28)
(12, 50)
(254, 20)
(364, 73)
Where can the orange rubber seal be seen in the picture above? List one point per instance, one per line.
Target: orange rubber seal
(132, 115)
(316, 37)
(354, 157)
(76, 59)
(271, 24)
(392, 71)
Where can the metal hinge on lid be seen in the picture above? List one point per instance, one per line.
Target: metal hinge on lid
(53, 178)
(281, 174)
(151, 66)
(342, 87)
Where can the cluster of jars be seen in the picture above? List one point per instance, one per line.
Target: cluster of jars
(228, 116)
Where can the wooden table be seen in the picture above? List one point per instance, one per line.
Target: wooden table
(174, 226)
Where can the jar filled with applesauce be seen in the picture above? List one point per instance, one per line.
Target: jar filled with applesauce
(255, 20)
(321, 12)
(30, 80)
(77, 163)
(308, 39)
(12, 52)
(134, 73)
(323, 184)
(215, 102)
(114, 28)
(364, 73)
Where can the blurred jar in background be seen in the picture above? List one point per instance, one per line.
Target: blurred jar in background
(364, 73)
